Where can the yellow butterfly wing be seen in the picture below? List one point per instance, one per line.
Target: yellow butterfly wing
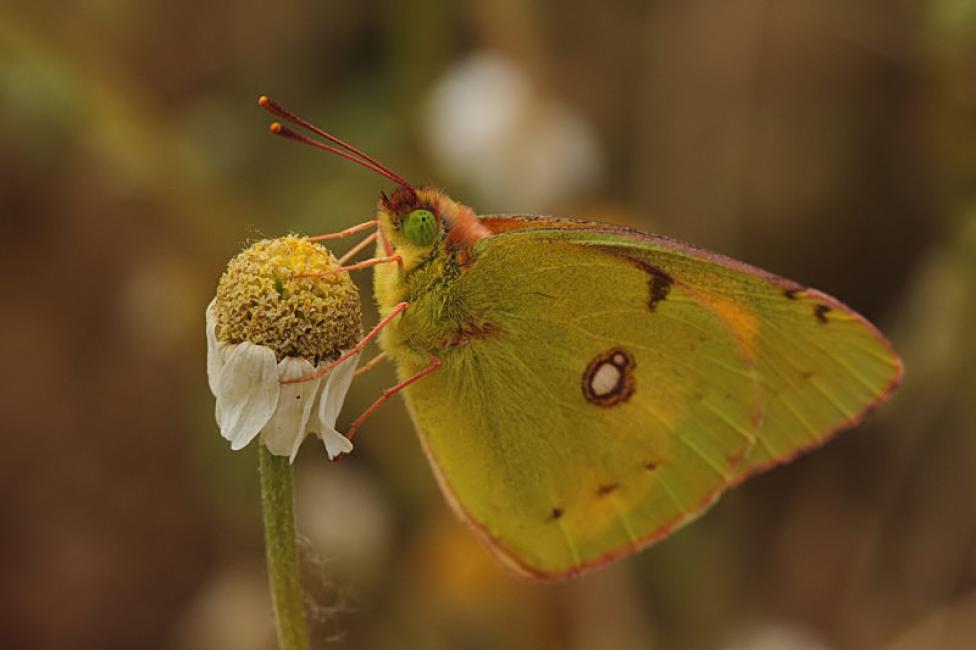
(605, 386)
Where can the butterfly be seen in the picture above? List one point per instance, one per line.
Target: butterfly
(583, 390)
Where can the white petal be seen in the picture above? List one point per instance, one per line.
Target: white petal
(247, 392)
(335, 443)
(334, 393)
(284, 433)
(215, 362)
(330, 403)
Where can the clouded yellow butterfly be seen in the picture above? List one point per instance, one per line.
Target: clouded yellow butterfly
(583, 390)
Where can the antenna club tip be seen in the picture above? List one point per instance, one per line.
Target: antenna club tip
(276, 128)
(264, 101)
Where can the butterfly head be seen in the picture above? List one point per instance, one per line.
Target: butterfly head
(416, 221)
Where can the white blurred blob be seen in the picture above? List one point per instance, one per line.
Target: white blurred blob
(345, 519)
(777, 636)
(489, 128)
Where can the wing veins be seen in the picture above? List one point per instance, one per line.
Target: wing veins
(749, 437)
(705, 458)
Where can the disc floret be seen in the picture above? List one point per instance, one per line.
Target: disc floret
(280, 313)
(260, 299)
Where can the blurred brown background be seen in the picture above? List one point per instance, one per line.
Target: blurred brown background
(829, 141)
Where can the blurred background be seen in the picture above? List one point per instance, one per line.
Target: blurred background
(828, 141)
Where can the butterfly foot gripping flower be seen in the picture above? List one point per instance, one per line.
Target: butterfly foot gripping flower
(274, 320)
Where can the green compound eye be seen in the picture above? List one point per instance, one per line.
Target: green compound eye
(420, 227)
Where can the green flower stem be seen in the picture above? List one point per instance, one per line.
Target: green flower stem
(277, 503)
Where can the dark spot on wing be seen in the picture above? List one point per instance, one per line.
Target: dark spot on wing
(606, 489)
(469, 330)
(650, 466)
(615, 365)
(821, 311)
(556, 514)
(659, 284)
(791, 293)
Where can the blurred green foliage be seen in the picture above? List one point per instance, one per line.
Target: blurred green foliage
(828, 141)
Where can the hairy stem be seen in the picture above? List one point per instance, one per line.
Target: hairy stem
(277, 504)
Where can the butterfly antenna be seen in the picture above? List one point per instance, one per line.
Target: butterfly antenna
(275, 108)
(342, 148)
(281, 130)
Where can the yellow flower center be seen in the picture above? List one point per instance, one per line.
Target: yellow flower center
(260, 300)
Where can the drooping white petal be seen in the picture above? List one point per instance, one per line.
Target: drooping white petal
(330, 403)
(247, 392)
(284, 432)
(215, 362)
(336, 386)
(336, 444)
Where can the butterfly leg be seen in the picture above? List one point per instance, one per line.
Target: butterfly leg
(375, 361)
(373, 333)
(435, 363)
(366, 225)
(354, 267)
(387, 246)
(358, 247)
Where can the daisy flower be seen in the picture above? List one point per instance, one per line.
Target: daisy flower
(266, 325)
